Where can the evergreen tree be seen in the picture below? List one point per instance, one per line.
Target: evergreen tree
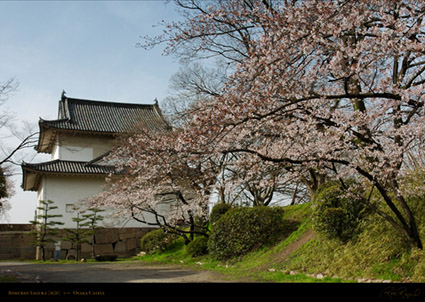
(93, 219)
(78, 235)
(44, 226)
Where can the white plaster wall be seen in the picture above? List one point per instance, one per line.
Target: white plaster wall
(55, 151)
(68, 190)
(40, 196)
(81, 147)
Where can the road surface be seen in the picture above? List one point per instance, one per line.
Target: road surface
(116, 272)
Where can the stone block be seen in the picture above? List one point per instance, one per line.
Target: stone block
(107, 236)
(126, 234)
(120, 247)
(49, 245)
(101, 238)
(86, 248)
(104, 249)
(131, 244)
(66, 245)
(86, 255)
(142, 232)
(71, 252)
(89, 239)
(63, 254)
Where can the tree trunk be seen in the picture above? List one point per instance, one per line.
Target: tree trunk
(409, 227)
(294, 194)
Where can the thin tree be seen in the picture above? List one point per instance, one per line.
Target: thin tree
(45, 228)
(92, 222)
(78, 235)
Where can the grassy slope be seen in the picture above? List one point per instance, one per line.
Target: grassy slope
(304, 256)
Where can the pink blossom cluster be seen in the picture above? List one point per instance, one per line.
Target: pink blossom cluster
(324, 89)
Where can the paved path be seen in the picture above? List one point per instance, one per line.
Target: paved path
(116, 272)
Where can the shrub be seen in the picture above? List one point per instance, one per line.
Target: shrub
(106, 257)
(157, 240)
(198, 247)
(336, 212)
(219, 210)
(244, 229)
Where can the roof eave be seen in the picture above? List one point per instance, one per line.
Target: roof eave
(31, 177)
(48, 135)
(45, 138)
(30, 180)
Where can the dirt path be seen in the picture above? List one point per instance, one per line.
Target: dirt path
(116, 272)
(306, 237)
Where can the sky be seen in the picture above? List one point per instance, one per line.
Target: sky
(86, 48)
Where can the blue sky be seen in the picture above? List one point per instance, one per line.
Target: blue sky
(88, 49)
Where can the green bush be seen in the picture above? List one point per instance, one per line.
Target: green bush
(242, 230)
(219, 210)
(157, 240)
(198, 247)
(336, 212)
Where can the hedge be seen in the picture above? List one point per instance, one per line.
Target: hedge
(242, 230)
(336, 213)
(157, 240)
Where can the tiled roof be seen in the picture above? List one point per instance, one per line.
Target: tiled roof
(67, 166)
(110, 117)
(99, 117)
(33, 172)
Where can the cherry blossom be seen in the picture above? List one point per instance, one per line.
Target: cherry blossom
(331, 88)
(321, 89)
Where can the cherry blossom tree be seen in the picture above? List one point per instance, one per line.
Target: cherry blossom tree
(213, 29)
(161, 180)
(223, 31)
(260, 183)
(192, 83)
(325, 88)
(322, 89)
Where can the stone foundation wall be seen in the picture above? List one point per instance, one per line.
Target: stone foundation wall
(15, 243)
(123, 242)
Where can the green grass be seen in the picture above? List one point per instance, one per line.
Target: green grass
(256, 265)
(298, 278)
(377, 253)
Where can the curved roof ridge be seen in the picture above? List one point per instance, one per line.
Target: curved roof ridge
(100, 102)
(100, 117)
